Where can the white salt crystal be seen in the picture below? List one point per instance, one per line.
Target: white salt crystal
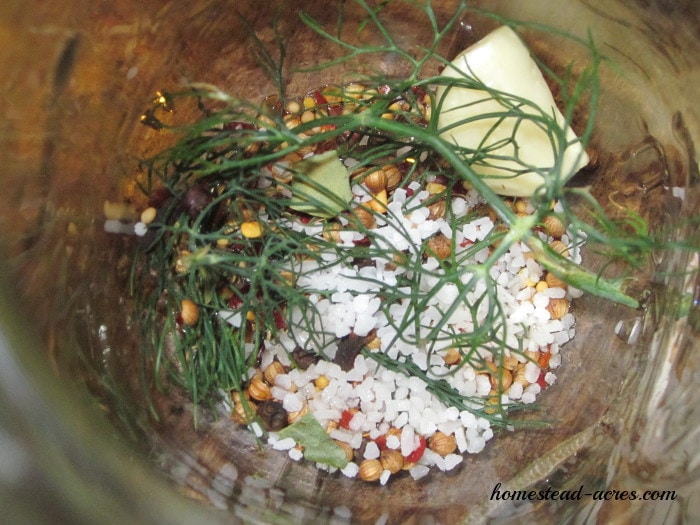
(515, 391)
(431, 458)
(257, 430)
(364, 325)
(421, 360)
(358, 420)
(401, 420)
(555, 292)
(555, 361)
(383, 519)
(401, 393)
(340, 434)
(452, 460)
(284, 444)
(393, 442)
(408, 440)
(550, 378)
(458, 206)
(350, 470)
(528, 398)
(449, 427)
(476, 445)
(468, 419)
(483, 385)
(384, 477)
(427, 428)
(418, 471)
(295, 454)
(534, 388)
(277, 392)
(371, 450)
(292, 402)
(540, 300)
(532, 372)
(461, 440)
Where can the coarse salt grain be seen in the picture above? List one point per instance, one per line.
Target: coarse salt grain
(284, 444)
(418, 471)
(295, 454)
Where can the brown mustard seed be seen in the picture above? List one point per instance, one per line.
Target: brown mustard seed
(370, 470)
(391, 460)
(243, 409)
(559, 247)
(272, 371)
(363, 217)
(554, 226)
(558, 307)
(553, 281)
(437, 210)
(189, 312)
(393, 176)
(295, 416)
(258, 389)
(452, 357)
(442, 444)
(440, 246)
(349, 452)
(376, 180)
(501, 380)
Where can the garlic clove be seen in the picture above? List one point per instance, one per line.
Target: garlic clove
(503, 63)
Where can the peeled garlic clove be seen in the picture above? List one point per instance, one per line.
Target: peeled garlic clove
(503, 63)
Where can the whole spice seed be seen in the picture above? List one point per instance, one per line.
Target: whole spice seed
(251, 229)
(554, 226)
(189, 312)
(558, 307)
(258, 389)
(442, 444)
(370, 469)
(391, 460)
(272, 371)
(376, 180)
(272, 414)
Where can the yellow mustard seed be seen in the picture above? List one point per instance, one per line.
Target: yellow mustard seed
(251, 229)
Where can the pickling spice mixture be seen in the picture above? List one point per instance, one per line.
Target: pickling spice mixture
(337, 273)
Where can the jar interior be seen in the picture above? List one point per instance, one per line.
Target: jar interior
(72, 138)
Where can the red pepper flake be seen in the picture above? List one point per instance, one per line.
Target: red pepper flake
(418, 451)
(381, 442)
(335, 110)
(543, 359)
(280, 320)
(319, 99)
(234, 302)
(541, 381)
(345, 419)
(365, 241)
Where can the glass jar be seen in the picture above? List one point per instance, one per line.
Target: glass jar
(77, 441)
